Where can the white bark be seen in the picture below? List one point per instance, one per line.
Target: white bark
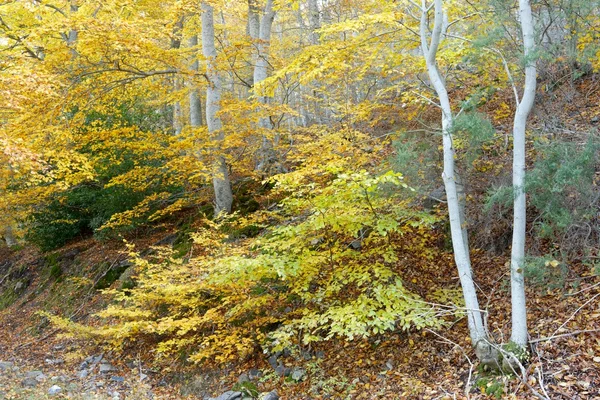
(460, 247)
(9, 236)
(266, 153)
(314, 19)
(517, 281)
(194, 97)
(177, 109)
(221, 182)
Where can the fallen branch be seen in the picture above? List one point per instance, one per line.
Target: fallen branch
(545, 339)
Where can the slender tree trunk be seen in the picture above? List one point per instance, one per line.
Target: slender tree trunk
(9, 236)
(194, 96)
(461, 251)
(177, 84)
(517, 281)
(314, 19)
(221, 182)
(267, 155)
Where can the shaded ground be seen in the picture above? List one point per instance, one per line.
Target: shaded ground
(399, 365)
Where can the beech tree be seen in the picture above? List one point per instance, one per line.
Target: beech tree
(430, 42)
(221, 182)
(524, 107)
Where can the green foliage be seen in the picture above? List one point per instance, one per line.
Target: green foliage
(493, 386)
(546, 272)
(561, 186)
(561, 189)
(472, 129)
(417, 161)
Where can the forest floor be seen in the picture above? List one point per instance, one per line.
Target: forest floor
(564, 323)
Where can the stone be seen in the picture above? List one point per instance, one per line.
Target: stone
(282, 370)
(243, 378)
(255, 373)
(273, 361)
(54, 390)
(298, 374)
(118, 379)
(595, 120)
(269, 396)
(5, 365)
(54, 361)
(34, 374)
(106, 367)
(230, 395)
(29, 382)
(389, 365)
(320, 354)
(83, 374)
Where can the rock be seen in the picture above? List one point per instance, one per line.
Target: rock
(356, 244)
(94, 359)
(34, 374)
(118, 379)
(595, 120)
(54, 390)
(19, 286)
(281, 370)
(106, 367)
(143, 376)
(83, 374)
(243, 378)
(230, 395)
(389, 365)
(55, 361)
(255, 373)
(273, 361)
(58, 347)
(287, 353)
(5, 365)
(320, 354)
(298, 374)
(269, 396)
(29, 382)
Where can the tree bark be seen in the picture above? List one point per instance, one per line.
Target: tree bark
(194, 96)
(267, 156)
(517, 280)
(177, 109)
(221, 182)
(461, 252)
(9, 236)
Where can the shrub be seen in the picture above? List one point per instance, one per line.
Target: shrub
(327, 266)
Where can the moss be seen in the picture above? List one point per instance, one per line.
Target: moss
(111, 276)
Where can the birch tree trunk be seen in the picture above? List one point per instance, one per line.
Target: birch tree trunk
(461, 252)
(517, 281)
(9, 236)
(177, 109)
(267, 155)
(194, 97)
(221, 182)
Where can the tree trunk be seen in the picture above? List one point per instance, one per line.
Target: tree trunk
(517, 281)
(460, 247)
(221, 183)
(314, 19)
(267, 156)
(177, 109)
(9, 237)
(195, 102)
